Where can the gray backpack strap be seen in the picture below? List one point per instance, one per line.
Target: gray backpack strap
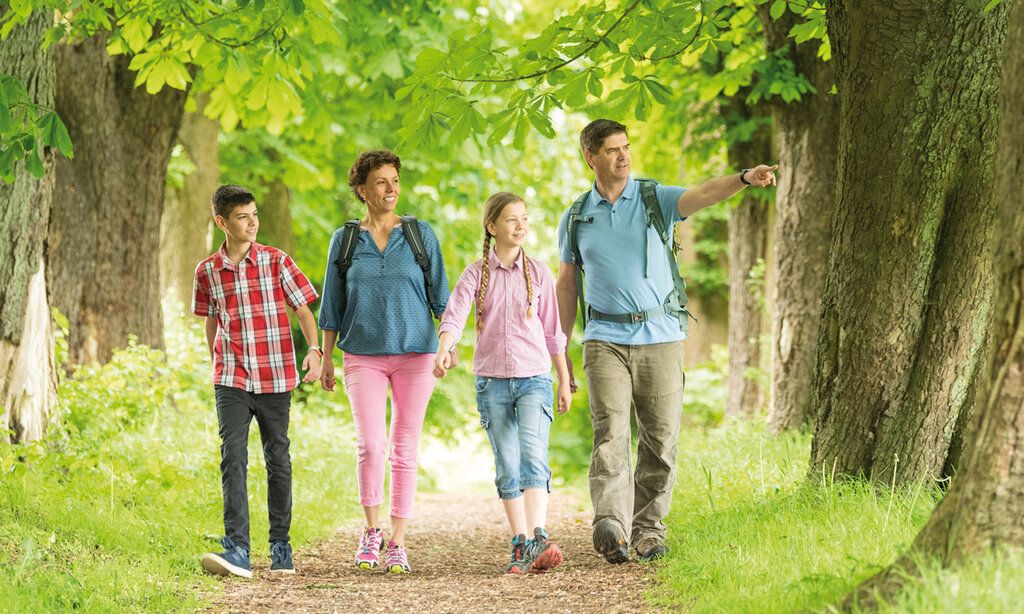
(676, 300)
(572, 230)
(411, 229)
(344, 260)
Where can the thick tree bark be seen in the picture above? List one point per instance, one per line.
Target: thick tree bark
(185, 224)
(276, 216)
(748, 248)
(28, 376)
(808, 134)
(105, 233)
(908, 290)
(986, 500)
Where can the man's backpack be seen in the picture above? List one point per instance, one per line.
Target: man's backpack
(411, 230)
(675, 302)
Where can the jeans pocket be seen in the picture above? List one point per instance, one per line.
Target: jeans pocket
(481, 384)
(548, 412)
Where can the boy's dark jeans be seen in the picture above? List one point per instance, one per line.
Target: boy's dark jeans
(235, 410)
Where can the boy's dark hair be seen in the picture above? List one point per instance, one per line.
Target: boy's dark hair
(227, 197)
(597, 131)
(366, 163)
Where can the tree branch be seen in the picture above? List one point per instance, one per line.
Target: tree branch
(232, 44)
(696, 33)
(561, 64)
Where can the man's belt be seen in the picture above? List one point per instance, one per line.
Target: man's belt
(637, 317)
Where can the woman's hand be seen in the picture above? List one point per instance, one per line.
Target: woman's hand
(327, 373)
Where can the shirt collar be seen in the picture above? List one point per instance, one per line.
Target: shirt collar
(627, 194)
(494, 263)
(223, 262)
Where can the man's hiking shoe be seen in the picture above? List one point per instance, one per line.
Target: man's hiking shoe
(650, 549)
(610, 541)
(518, 564)
(396, 559)
(540, 553)
(368, 553)
(234, 561)
(281, 557)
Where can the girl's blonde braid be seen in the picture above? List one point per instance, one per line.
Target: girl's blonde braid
(485, 273)
(529, 285)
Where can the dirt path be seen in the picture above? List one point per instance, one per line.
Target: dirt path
(457, 548)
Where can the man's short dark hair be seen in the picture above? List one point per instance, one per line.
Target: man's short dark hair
(227, 197)
(597, 131)
(366, 163)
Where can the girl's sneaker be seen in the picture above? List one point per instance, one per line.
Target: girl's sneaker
(518, 564)
(396, 559)
(541, 554)
(368, 554)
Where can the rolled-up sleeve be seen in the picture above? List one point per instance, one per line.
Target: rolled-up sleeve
(461, 301)
(297, 289)
(330, 306)
(547, 310)
(438, 276)
(201, 304)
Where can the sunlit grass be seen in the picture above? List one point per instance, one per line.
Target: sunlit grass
(112, 512)
(751, 532)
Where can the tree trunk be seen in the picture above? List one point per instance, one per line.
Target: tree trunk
(908, 291)
(808, 133)
(748, 243)
(105, 235)
(28, 376)
(276, 216)
(185, 224)
(986, 500)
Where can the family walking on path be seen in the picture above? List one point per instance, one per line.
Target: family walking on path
(385, 283)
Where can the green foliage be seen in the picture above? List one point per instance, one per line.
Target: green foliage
(749, 534)
(505, 82)
(25, 129)
(112, 510)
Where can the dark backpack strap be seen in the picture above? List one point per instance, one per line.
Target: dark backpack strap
(676, 300)
(411, 229)
(572, 231)
(344, 260)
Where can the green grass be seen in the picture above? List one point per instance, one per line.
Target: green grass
(112, 511)
(749, 532)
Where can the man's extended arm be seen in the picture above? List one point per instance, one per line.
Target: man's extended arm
(717, 189)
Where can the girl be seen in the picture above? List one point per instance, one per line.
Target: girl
(518, 333)
(380, 315)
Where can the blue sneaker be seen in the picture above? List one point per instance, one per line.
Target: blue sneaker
(281, 557)
(234, 561)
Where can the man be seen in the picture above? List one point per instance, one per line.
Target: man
(633, 340)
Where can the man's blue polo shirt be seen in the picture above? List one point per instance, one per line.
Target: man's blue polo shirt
(614, 248)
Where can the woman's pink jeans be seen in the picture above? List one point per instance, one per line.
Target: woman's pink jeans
(366, 383)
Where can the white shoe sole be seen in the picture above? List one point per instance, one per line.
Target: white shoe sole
(219, 567)
(283, 571)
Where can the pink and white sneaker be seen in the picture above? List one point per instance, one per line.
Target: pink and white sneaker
(396, 559)
(368, 553)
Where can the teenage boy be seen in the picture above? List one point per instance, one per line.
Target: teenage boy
(242, 291)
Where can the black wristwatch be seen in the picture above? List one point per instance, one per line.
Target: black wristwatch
(742, 178)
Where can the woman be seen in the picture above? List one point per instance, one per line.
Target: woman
(381, 318)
